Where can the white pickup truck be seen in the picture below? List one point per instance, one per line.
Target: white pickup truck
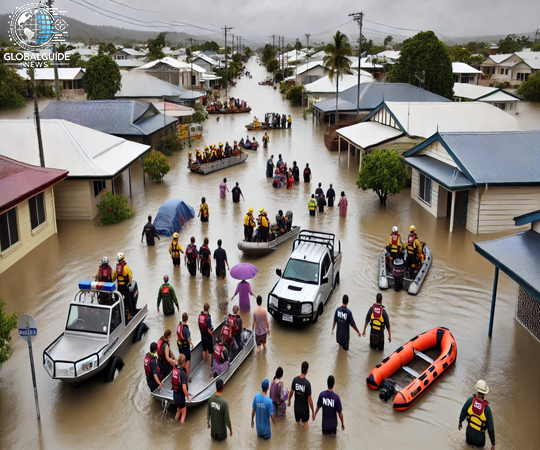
(306, 285)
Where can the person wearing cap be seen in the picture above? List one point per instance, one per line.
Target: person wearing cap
(125, 277)
(478, 414)
(415, 255)
(263, 409)
(217, 414)
(104, 274)
(263, 225)
(150, 231)
(175, 249)
(168, 296)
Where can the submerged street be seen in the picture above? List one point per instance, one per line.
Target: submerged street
(456, 294)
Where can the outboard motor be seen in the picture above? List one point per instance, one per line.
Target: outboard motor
(288, 218)
(134, 290)
(398, 269)
(388, 389)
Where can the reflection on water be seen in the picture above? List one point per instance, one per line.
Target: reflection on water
(456, 295)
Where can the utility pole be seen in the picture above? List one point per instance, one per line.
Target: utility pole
(226, 65)
(537, 36)
(38, 123)
(358, 18)
(191, 73)
(307, 48)
(55, 67)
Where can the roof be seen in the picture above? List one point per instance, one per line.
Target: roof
(325, 86)
(500, 96)
(174, 63)
(64, 73)
(308, 66)
(483, 93)
(393, 54)
(129, 63)
(366, 63)
(117, 117)
(137, 84)
(368, 134)
(526, 55)
(532, 63)
(459, 67)
(524, 219)
(448, 176)
(500, 58)
(516, 256)
(20, 181)
(84, 152)
(494, 158)
(207, 59)
(308, 251)
(131, 52)
(173, 109)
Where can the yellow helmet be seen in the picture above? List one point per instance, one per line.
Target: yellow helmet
(412, 228)
(226, 142)
(175, 235)
(261, 210)
(250, 210)
(197, 149)
(206, 148)
(221, 144)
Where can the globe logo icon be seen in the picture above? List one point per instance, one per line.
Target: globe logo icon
(32, 26)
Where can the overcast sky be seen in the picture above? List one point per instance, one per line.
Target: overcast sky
(320, 18)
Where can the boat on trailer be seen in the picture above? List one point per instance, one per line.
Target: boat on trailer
(219, 164)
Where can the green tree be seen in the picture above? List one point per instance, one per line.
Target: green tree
(7, 323)
(106, 48)
(248, 52)
(156, 166)
(388, 40)
(295, 95)
(510, 44)
(268, 53)
(383, 171)
(425, 56)
(459, 54)
(272, 65)
(170, 144)
(298, 45)
(114, 209)
(530, 89)
(155, 47)
(536, 47)
(12, 87)
(102, 78)
(200, 114)
(477, 48)
(336, 62)
(367, 45)
(75, 60)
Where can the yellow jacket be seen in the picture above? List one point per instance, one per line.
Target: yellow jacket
(125, 278)
(176, 248)
(248, 221)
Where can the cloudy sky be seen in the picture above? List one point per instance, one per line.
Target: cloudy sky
(320, 18)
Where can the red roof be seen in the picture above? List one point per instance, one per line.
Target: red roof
(20, 181)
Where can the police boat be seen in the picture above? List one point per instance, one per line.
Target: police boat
(96, 335)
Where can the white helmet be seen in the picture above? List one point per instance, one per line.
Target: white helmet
(482, 387)
(394, 229)
(120, 256)
(104, 261)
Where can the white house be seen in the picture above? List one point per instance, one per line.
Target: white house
(511, 67)
(310, 72)
(71, 84)
(323, 88)
(494, 96)
(176, 72)
(463, 73)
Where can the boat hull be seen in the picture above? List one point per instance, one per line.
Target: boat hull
(238, 111)
(265, 248)
(217, 165)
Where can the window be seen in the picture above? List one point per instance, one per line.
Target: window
(99, 186)
(424, 189)
(506, 72)
(500, 106)
(522, 76)
(116, 318)
(302, 271)
(9, 234)
(120, 57)
(325, 266)
(88, 318)
(465, 79)
(37, 210)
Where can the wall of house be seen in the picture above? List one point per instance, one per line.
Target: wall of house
(438, 196)
(28, 238)
(384, 117)
(536, 226)
(75, 199)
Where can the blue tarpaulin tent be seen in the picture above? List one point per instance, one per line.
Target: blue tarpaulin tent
(171, 217)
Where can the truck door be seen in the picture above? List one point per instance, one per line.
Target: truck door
(327, 271)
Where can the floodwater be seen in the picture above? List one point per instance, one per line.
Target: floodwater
(456, 294)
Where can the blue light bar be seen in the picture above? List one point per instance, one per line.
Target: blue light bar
(85, 285)
(102, 286)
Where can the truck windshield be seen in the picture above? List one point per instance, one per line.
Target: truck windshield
(302, 271)
(87, 318)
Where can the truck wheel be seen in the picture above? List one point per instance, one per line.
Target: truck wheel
(114, 367)
(141, 329)
(337, 279)
(319, 312)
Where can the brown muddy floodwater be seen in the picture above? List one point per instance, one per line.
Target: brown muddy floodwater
(456, 294)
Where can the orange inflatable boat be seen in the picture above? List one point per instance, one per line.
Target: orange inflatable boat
(407, 396)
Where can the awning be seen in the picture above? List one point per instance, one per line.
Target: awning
(368, 134)
(173, 109)
(449, 177)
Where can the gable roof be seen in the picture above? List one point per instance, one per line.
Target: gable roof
(206, 59)
(84, 152)
(524, 219)
(174, 63)
(47, 73)
(324, 85)
(459, 67)
(20, 181)
(117, 117)
(308, 66)
(483, 93)
(137, 84)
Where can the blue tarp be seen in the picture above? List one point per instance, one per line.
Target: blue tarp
(172, 216)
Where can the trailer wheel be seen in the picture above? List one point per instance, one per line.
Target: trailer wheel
(114, 368)
(141, 329)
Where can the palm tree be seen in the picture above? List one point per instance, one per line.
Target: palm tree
(336, 62)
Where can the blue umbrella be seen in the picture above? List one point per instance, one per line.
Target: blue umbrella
(244, 271)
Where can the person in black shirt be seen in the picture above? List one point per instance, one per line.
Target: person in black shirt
(322, 203)
(344, 319)
(307, 174)
(150, 231)
(296, 172)
(220, 256)
(236, 193)
(330, 196)
(302, 388)
(318, 192)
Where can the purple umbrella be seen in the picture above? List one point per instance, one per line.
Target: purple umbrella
(244, 271)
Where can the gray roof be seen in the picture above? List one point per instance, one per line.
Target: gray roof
(139, 84)
(116, 117)
(450, 177)
(373, 94)
(517, 256)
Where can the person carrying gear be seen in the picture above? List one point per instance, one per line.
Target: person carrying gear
(312, 205)
(415, 256)
(263, 225)
(281, 223)
(151, 368)
(203, 210)
(166, 360)
(479, 417)
(125, 277)
(266, 140)
(175, 249)
(307, 174)
(168, 296)
(378, 320)
(394, 247)
(185, 345)
(249, 225)
(104, 273)
(205, 259)
(191, 257)
(205, 327)
(150, 231)
(235, 322)
(190, 158)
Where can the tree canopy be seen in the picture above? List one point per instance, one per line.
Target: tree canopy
(388, 40)
(383, 171)
(513, 43)
(102, 78)
(106, 48)
(12, 87)
(155, 47)
(268, 53)
(530, 89)
(424, 56)
(7, 323)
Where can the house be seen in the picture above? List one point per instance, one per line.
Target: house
(494, 96)
(86, 53)
(481, 180)
(27, 214)
(510, 67)
(463, 73)
(93, 159)
(182, 113)
(129, 119)
(176, 72)
(385, 57)
(207, 63)
(70, 78)
(310, 72)
(517, 257)
(123, 54)
(323, 88)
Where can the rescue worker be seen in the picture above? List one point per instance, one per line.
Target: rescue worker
(227, 337)
(166, 360)
(205, 327)
(175, 249)
(478, 414)
(205, 259)
(203, 210)
(415, 256)
(266, 140)
(307, 174)
(249, 225)
(150, 231)
(179, 383)
(279, 162)
(125, 277)
(312, 205)
(104, 274)
(289, 121)
(235, 322)
(394, 247)
(263, 225)
(191, 257)
(185, 345)
(378, 320)
(227, 149)
(281, 223)
(151, 369)
(198, 156)
(190, 158)
(167, 295)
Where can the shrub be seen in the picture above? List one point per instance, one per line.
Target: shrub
(170, 144)
(114, 209)
(295, 95)
(7, 323)
(199, 116)
(156, 166)
(530, 89)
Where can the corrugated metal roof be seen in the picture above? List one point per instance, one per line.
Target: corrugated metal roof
(137, 84)
(368, 134)
(325, 86)
(517, 256)
(472, 91)
(174, 63)
(310, 65)
(450, 177)
(459, 67)
(47, 74)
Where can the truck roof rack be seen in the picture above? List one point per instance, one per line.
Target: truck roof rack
(315, 237)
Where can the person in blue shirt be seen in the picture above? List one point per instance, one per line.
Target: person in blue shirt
(263, 408)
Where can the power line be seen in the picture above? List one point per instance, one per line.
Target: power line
(390, 26)
(332, 29)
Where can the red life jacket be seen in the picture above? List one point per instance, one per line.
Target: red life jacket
(165, 289)
(161, 354)
(180, 334)
(395, 237)
(377, 311)
(203, 326)
(148, 367)
(377, 319)
(226, 333)
(175, 379)
(105, 272)
(218, 352)
(205, 253)
(231, 320)
(122, 280)
(412, 238)
(190, 251)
